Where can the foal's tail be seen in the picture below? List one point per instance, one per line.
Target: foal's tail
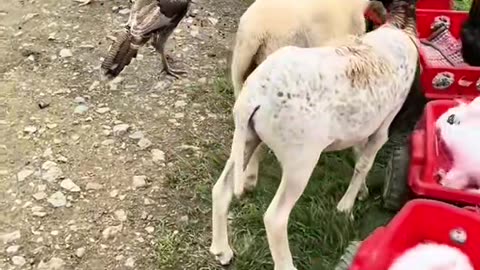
(244, 134)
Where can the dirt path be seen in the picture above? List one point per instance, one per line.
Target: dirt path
(82, 163)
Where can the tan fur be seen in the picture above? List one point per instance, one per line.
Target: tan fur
(364, 65)
(268, 25)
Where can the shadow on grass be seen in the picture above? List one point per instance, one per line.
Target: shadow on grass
(317, 233)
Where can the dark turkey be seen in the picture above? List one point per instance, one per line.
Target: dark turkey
(150, 20)
(470, 36)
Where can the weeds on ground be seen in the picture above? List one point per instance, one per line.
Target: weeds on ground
(318, 234)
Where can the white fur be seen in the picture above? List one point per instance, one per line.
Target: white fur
(462, 139)
(432, 256)
(301, 102)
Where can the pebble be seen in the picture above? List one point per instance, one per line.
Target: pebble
(93, 186)
(158, 155)
(57, 199)
(65, 53)
(53, 264)
(113, 193)
(120, 129)
(139, 181)
(150, 229)
(137, 135)
(130, 262)
(124, 11)
(121, 215)
(144, 143)
(69, 185)
(103, 110)
(13, 249)
(80, 252)
(180, 103)
(30, 129)
(18, 260)
(80, 109)
(51, 171)
(23, 174)
(38, 211)
(80, 100)
(10, 237)
(39, 195)
(111, 231)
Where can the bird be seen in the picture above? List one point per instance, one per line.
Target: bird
(150, 20)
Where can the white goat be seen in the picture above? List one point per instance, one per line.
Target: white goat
(304, 101)
(432, 256)
(265, 27)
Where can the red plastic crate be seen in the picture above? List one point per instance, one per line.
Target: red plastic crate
(429, 155)
(419, 221)
(462, 75)
(435, 4)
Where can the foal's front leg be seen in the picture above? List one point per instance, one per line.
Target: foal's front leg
(363, 165)
(222, 194)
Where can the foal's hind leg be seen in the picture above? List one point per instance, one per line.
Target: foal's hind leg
(251, 172)
(297, 168)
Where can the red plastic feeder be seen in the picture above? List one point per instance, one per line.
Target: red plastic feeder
(420, 221)
(435, 4)
(459, 79)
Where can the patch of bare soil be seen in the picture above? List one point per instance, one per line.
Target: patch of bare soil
(83, 162)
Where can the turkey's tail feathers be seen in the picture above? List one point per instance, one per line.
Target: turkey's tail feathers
(119, 55)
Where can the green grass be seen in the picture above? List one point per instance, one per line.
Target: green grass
(318, 234)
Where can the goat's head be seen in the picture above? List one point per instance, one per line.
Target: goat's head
(376, 12)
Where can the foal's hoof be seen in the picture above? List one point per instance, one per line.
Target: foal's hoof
(363, 195)
(223, 257)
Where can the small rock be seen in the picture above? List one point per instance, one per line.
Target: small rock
(184, 219)
(103, 110)
(30, 129)
(180, 103)
(13, 249)
(51, 171)
(113, 193)
(158, 155)
(62, 159)
(18, 260)
(80, 252)
(93, 186)
(38, 211)
(48, 153)
(57, 199)
(202, 80)
(150, 229)
(130, 262)
(23, 174)
(137, 135)
(111, 231)
(10, 237)
(144, 143)
(65, 53)
(39, 195)
(121, 215)
(69, 185)
(53, 264)
(80, 109)
(80, 100)
(120, 129)
(124, 11)
(139, 181)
